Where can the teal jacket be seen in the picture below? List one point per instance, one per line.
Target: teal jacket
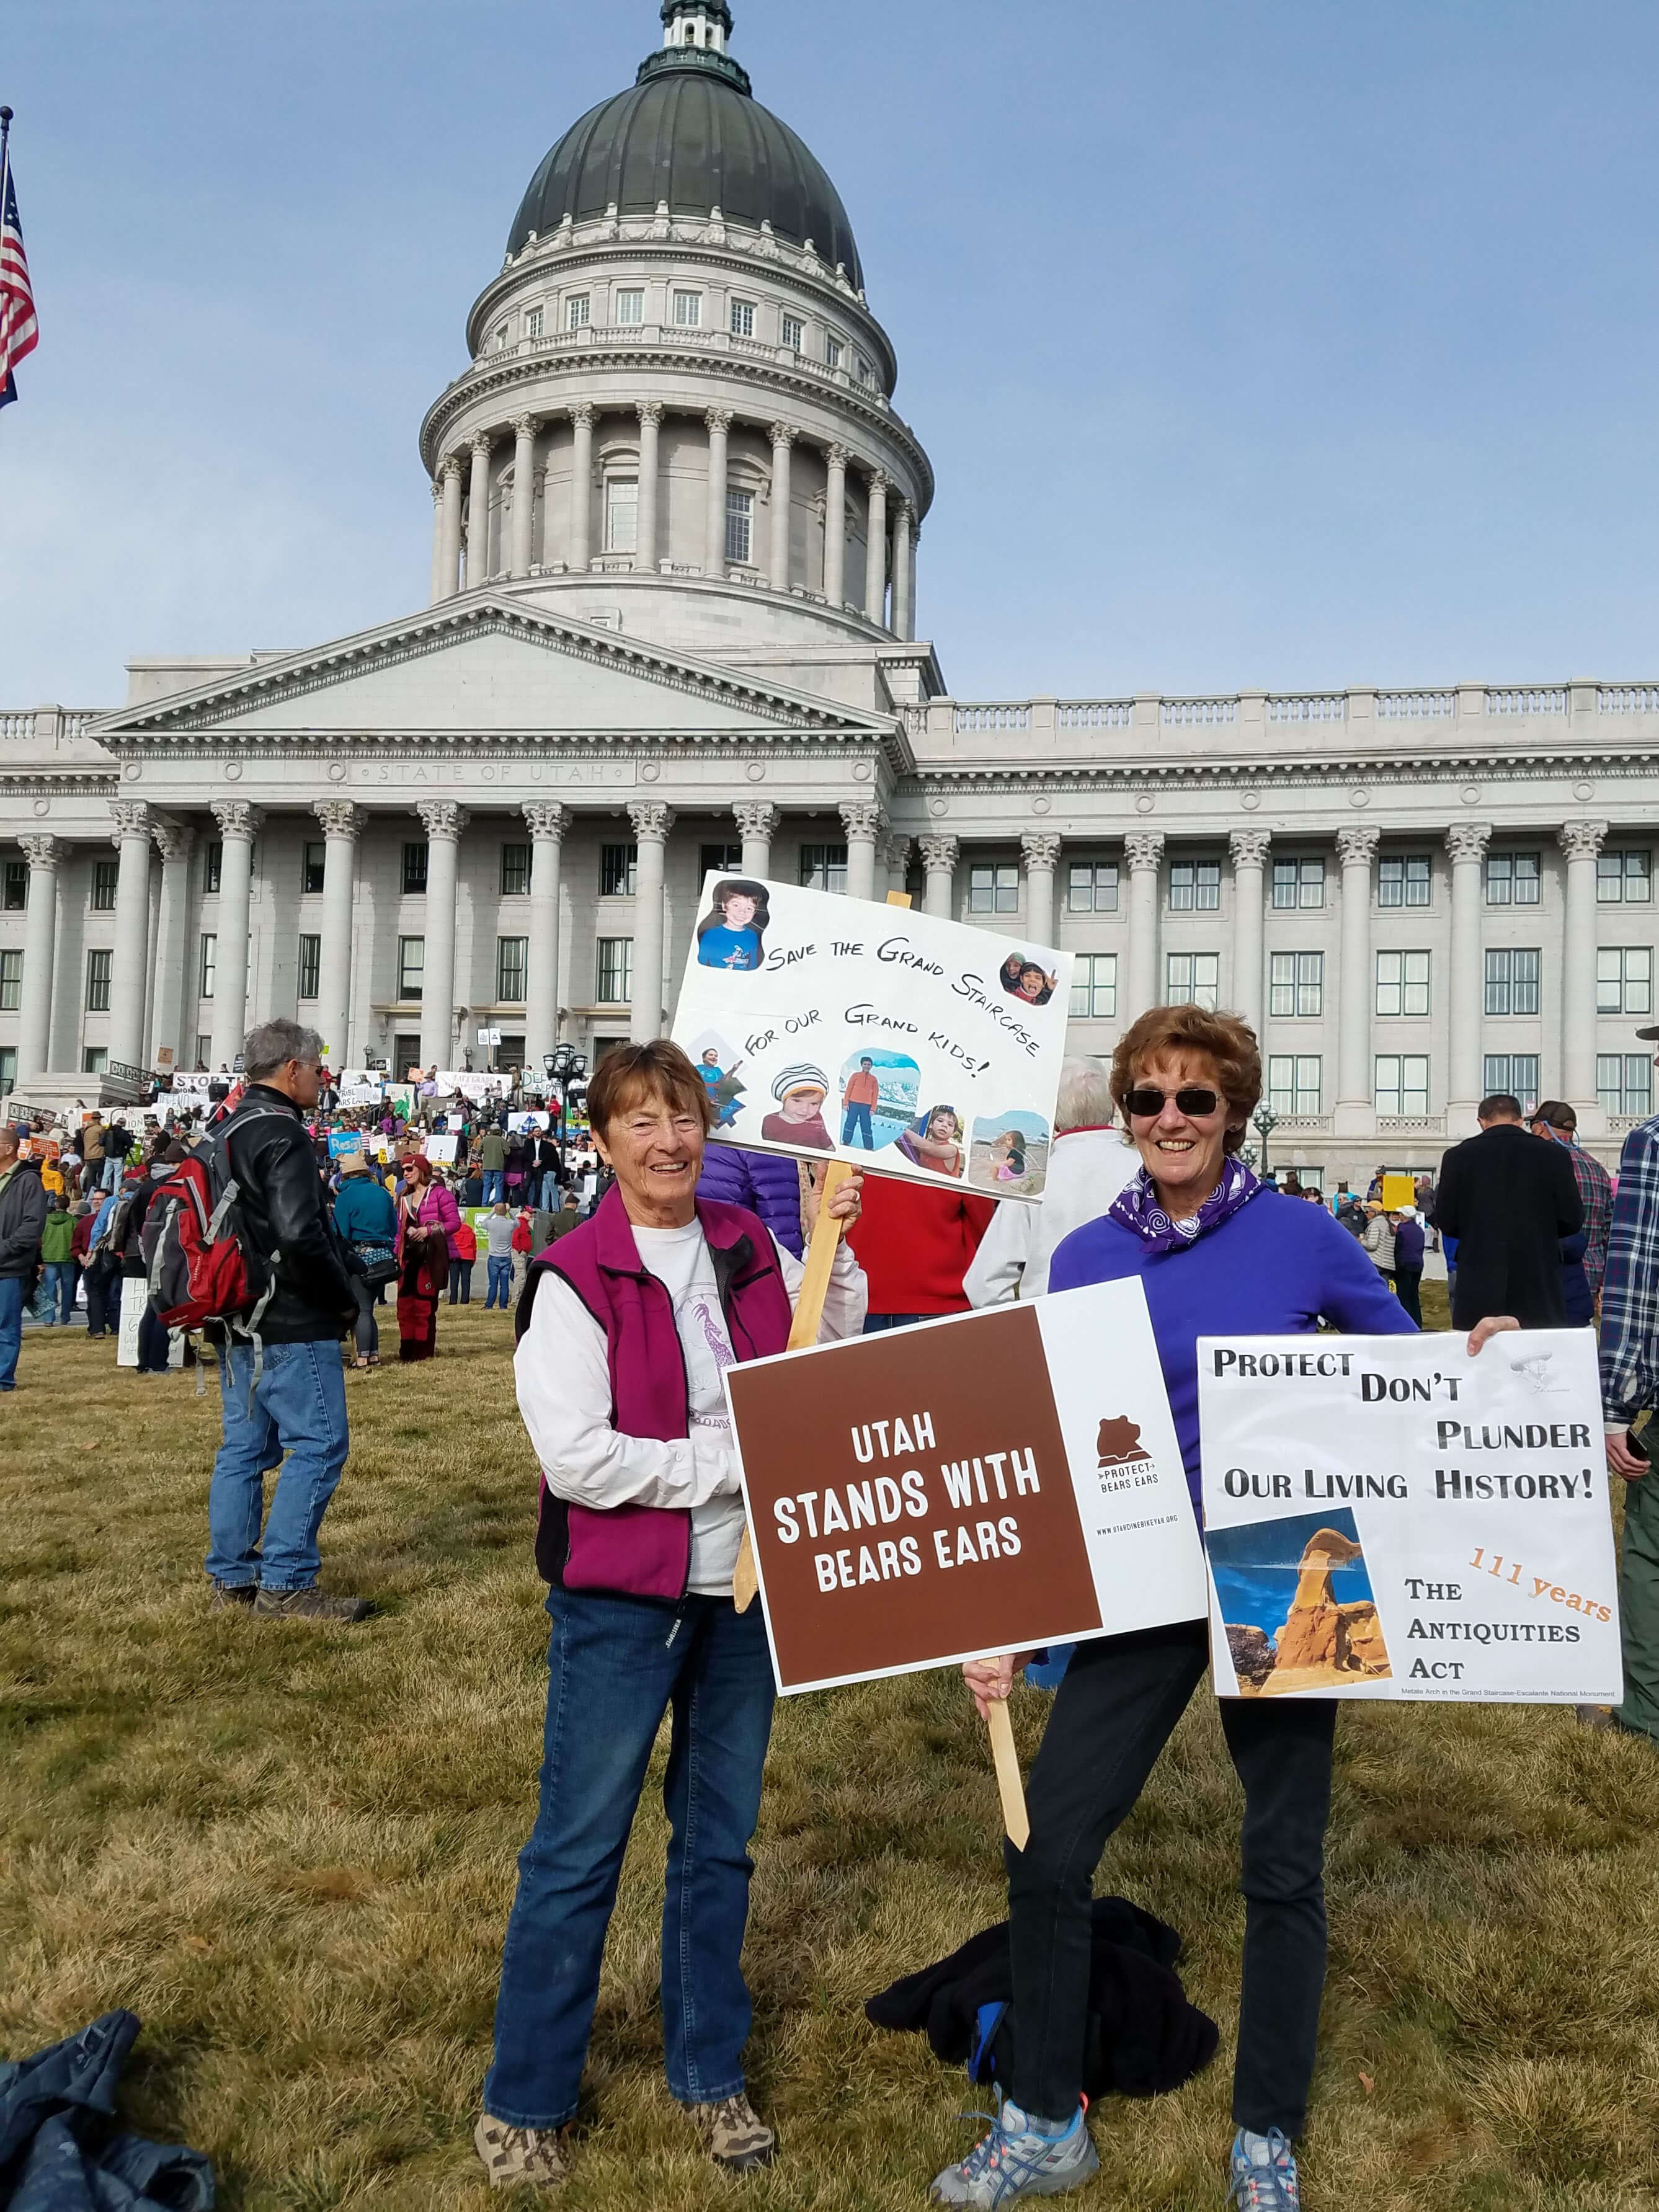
(364, 1212)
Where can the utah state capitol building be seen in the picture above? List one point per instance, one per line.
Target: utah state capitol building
(676, 518)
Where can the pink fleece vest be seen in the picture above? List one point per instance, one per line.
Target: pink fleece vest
(643, 1551)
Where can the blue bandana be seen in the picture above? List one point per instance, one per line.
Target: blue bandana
(1137, 1207)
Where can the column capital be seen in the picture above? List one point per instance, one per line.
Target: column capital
(442, 818)
(42, 850)
(176, 839)
(1356, 846)
(899, 850)
(940, 853)
(452, 465)
(132, 819)
(718, 418)
(438, 489)
(237, 818)
(1144, 849)
(1249, 848)
(548, 823)
(650, 413)
(483, 444)
(582, 413)
(881, 482)
(781, 433)
(905, 511)
(755, 817)
(837, 456)
(652, 822)
(1468, 841)
(1040, 847)
(340, 817)
(525, 426)
(861, 818)
(1581, 841)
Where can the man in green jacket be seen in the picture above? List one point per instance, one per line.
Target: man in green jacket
(60, 1272)
(492, 1158)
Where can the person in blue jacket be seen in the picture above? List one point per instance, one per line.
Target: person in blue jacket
(1218, 1255)
(766, 1182)
(733, 931)
(366, 1220)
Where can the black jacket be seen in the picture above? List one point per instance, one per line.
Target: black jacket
(23, 1217)
(1509, 1198)
(285, 1215)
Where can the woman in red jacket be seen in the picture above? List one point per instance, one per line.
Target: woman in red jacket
(427, 1217)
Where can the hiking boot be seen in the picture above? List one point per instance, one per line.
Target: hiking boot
(1016, 2160)
(227, 1596)
(311, 1605)
(734, 2135)
(511, 2156)
(1262, 2170)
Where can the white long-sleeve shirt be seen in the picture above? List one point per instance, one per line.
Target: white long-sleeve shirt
(563, 1375)
(1087, 1168)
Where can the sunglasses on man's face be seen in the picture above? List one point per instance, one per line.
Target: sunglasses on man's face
(1146, 1104)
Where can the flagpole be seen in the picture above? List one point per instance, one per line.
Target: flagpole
(5, 156)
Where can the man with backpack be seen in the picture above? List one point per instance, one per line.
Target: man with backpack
(22, 1218)
(281, 1381)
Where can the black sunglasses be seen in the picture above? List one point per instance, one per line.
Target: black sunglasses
(1194, 1101)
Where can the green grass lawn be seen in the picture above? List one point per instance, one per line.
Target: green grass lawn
(291, 1853)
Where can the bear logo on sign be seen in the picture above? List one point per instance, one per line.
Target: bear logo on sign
(1118, 1443)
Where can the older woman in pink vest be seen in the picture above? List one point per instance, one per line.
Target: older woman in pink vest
(625, 1328)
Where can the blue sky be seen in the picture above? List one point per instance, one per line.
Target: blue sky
(1256, 342)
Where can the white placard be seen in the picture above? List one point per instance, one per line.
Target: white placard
(1387, 1517)
(135, 1297)
(834, 1027)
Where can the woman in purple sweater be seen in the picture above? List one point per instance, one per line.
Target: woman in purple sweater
(1218, 1255)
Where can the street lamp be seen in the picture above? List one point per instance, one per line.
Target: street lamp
(1266, 1122)
(564, 1066)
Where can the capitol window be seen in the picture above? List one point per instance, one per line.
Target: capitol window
(1195, 886)
(1512, 982)
(213, 861)
(1624, 979)
(834, 351)
(1623, 1083)
(794, 333)
(628, 306)
(1295, 1083)
(1402, 879)
(616, 971)
(512, 960)
(11, 981)
(1401, 1086)
(310, 966)
(415, 868)
(533, 323)
(1622, 879)
(1296, 986)
(1402, 983)
(993, 888)
(578, 311)
(207, 969)
(742, 318)
(739, 526)
(314, 862)
(622, 514)
(719, 860)
(105, 881)
(1091, 887)
(1094, 987)
(1193, 979)
(17, 886)
(618, 866)
(98, 978)
(688, 311)
(1513, 1074)
(823, 868)
(411, 967)
(1512, 878)
(515, 871)
(1298, 883)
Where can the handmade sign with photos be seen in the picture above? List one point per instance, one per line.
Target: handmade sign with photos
(988, 1482)
(1387, 1517)
(833, 1028)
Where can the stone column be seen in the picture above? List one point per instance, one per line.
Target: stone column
(1144, 850)
(756, 823)
(1581, 842)
(126, 985)
(1250, 849)
(582, 486)
(646, 556)
(238, 824)
(524, 493)
(783, 440)
(1040, 849)
(834, 528)
(903, 601)
(939, 857)
(652, 824)
(861, 819)
(437, 591)
(718, 420)
(875, 559)
(152, 941)
(342, 823)
(547, 827)
(1467, 843)
(1356, 849)
(444, 824)
(899, 850)
(449, 577)
(176, 842)
(39, 945)
(477, 515)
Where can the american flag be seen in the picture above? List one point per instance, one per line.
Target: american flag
(19, 333)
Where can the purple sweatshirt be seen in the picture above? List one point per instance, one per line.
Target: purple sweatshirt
(1277, 1267)
(768, 1183)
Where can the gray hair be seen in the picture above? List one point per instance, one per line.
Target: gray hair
(273, 1044)
(1085, 1096)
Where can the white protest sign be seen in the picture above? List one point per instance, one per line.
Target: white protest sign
(1387, 1517)
(191, 1082)
(441, 1150)
(987, 1482)
(833, 1027)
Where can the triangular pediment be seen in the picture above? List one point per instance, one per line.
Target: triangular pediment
(484, 667)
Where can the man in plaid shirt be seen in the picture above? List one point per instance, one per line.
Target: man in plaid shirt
(1556, 1120)
(1630, 1386)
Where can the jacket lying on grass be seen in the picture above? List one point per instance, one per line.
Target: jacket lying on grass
(58, 2150)
(1142, 2039)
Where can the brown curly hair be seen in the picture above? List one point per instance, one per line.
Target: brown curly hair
(1227, 1043)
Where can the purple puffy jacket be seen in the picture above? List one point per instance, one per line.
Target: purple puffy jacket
(766, 1182)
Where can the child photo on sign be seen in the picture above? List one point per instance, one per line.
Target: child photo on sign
(718, 1065)
(1009, 1153)
(879, 1094)
(933, 1141)
(800, 1093)
(730, 935)
(1027, 979)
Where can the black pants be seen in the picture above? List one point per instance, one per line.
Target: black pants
(367, 1328)
(1114, 1712)
(1408, 1281)
(461, 1282)
(154, 1348)
(103, 1301)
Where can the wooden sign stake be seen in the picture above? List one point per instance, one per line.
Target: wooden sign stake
(1015, 1820)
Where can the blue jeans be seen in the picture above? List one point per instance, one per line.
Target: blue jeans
(614, 1665)
(299, 1407)
(59, 1300)
(495, 1185)
(858, 1117)
(501, 1278)
(879, 1324)
(11, 1328)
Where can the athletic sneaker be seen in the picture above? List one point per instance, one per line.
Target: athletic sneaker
(511, 2156)
(1015, 2160)
(310, 1604)
(1263, 2170)
(734, 2135)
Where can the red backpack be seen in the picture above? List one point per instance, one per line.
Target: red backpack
(203, 1264)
